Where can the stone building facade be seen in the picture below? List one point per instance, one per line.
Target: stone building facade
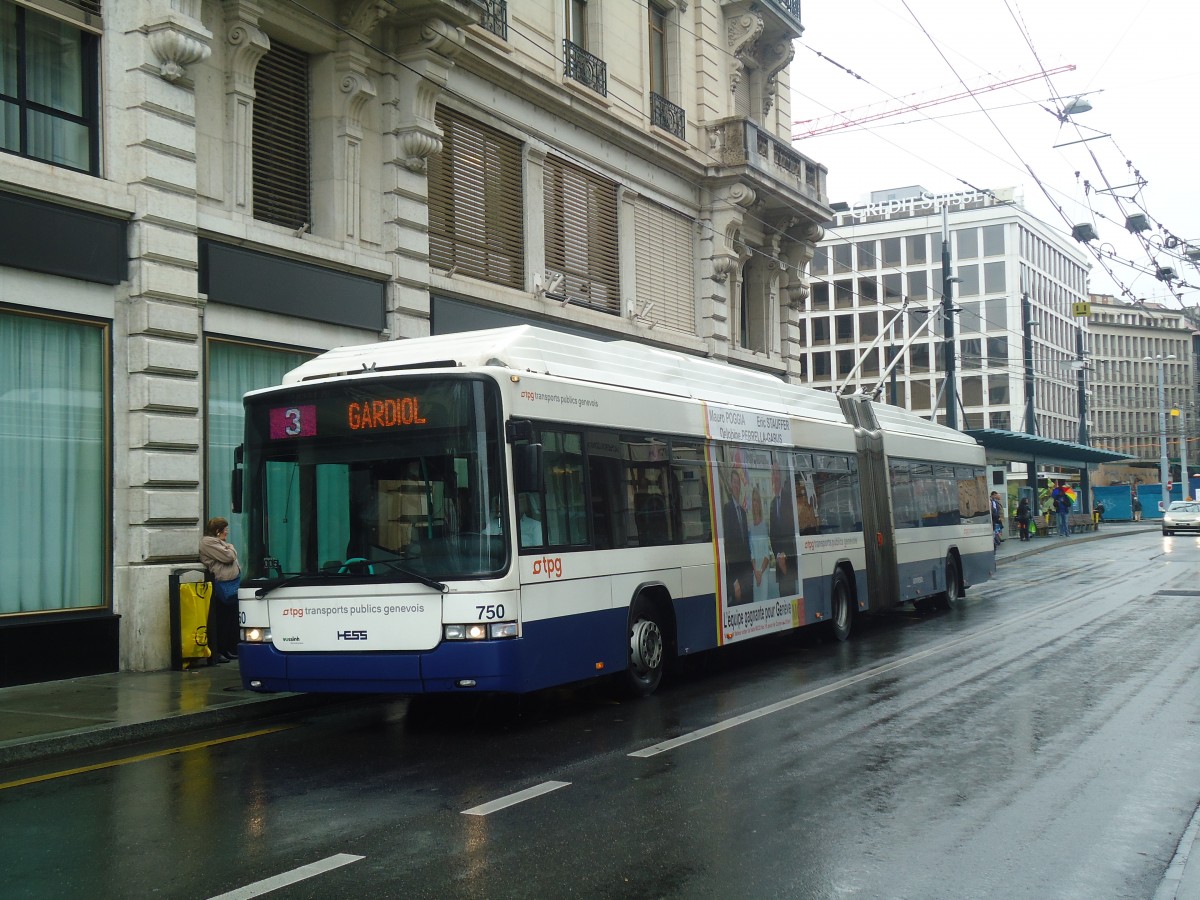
(196, 195)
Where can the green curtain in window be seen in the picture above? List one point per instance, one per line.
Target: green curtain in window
(234, 369)
(53, 484)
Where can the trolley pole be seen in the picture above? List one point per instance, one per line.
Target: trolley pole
(948, 326)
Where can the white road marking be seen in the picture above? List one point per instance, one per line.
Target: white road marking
(276, 882)
(726, 724)
(513, 799)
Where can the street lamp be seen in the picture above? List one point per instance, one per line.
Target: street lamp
(1163, 463)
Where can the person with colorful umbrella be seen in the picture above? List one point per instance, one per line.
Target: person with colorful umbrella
(1064, 498)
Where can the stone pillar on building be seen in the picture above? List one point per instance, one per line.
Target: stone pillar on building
(721, 256)
(796, 248)
(246, 44)
(157, 332)
(423, 54)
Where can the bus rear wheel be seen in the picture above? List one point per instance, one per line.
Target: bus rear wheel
(647, 651)
(949, 598)
(841, 612)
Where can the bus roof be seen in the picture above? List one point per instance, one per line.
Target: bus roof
(622, 364)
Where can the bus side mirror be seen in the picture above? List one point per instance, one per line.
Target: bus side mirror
(235, 480)
(527, 468)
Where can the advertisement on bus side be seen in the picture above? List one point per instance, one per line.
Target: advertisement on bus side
(756, 540)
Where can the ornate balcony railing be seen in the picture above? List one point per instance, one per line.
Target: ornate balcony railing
(666, 115)
(740, 142)
(581, 66)
(495, 18)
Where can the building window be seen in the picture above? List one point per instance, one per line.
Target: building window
(993, 240)
(659, 82)
(754, 313)
(663, 113)
(843, 258)
(231, 370)
(845, 361)
(866, 255)
(49, 99)
(665, 269)
(891, 251)
(476, 224)
(968, 243)
(993, 278)
(820, 368)
(918, 248)
(54, 477)
(281, 138)
(578, 63)
(581, 235)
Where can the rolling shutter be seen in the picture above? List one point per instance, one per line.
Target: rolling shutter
(581, 235)
(476, 223)
(665, 267)
(281, 138)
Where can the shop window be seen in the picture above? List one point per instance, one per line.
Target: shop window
(232, 369)
(54, 478)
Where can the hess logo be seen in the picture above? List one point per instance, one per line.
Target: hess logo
(351, 635)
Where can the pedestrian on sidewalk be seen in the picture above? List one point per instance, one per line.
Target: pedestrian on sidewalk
(997, 519)
(1137, 509)
(1024, 514)
(220, 557)
(1062, 506)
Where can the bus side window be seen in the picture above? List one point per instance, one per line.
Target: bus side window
(689, 497)
(565, 518)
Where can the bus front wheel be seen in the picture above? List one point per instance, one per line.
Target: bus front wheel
(646, 651)
(841, 613)
(949, 598)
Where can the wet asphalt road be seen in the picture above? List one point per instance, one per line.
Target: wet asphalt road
(1043, 740)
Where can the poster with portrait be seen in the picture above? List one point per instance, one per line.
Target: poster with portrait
(758, 580)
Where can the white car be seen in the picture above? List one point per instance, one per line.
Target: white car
(1181, 515)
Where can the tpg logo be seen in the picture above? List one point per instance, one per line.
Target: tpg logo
(351, 635)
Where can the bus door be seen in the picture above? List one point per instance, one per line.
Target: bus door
(879, 535)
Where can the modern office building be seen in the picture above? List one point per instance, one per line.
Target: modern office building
(1130, 341)
(1008, 268)
(196, 195)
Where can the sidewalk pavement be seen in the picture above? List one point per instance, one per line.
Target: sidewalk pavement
(39, 721)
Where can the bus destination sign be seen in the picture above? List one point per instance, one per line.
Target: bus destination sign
(392, 412)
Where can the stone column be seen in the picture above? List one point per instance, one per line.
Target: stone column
(425, 53)
(158, 461)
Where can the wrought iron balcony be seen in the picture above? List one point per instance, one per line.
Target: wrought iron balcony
(494, 17)
(581, 66)
(666, 115)
(790, 8)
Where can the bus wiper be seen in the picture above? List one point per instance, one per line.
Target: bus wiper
(394, 564)
(289, 579)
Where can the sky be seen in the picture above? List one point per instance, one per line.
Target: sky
(1136, 62)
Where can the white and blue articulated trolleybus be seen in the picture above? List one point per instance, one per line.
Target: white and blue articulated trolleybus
(512, 509)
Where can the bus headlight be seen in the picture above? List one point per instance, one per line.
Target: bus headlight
(478, 631)
(256, 635)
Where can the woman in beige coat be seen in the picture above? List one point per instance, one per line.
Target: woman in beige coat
(220, 557)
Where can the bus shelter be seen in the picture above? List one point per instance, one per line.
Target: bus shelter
(1003, 447)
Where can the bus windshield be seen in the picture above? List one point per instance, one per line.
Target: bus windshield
(382, 478)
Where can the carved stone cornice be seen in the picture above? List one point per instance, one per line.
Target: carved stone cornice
(425, 57)
(178, 41)
(247, 44)
(363, 16)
